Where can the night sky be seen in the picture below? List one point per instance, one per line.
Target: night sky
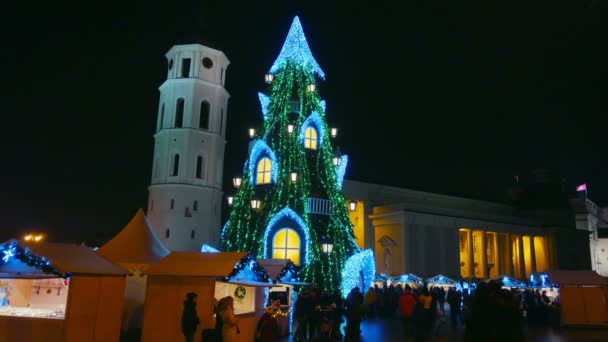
(443, 97)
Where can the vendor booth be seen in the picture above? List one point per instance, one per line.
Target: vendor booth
(540, 282)
(135, 248)
(441, 281)
(583, 296)
(509, 282)
(211, 276)
(58, 292)
(382, 280)
(410, 279)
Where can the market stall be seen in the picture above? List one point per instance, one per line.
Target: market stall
(509, 282)
(58, 292)
(410, 279)
(583, 296)
(134, 248)
(382, 280)
(441, 281)
(541, 282)
(211, 276)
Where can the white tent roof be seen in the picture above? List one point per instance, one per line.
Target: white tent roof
(136, 243)
(66, 258)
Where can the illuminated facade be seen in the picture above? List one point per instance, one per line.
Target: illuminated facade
(429, 234)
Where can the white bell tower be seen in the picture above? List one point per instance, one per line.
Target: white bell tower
(185, 195)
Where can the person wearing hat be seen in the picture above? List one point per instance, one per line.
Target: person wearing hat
(190, 317)
(228, 321)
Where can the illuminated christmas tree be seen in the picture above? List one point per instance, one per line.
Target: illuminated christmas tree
(289, 199)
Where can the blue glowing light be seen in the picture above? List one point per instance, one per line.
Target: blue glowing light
(441, 279)
(292, 215)
(8, 254)
(314, 120)
(208, 249)
(260, 149)
(297, 50)
(264, 103)
(341, 170)
(323, 106)
(360, 263)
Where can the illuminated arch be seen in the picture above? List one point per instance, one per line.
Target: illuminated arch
(259, 151)
(314, 121)
(286, 218)
(287, 245)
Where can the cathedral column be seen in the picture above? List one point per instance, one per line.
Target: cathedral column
(471, 254)
(522, 261)
(484, 254)
(508, 268)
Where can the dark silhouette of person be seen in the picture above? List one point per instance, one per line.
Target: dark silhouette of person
(190, 317)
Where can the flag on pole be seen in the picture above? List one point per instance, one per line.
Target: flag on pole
(582, 187)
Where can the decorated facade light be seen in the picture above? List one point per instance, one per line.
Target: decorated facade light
(268, 78)
(237, 181)
(252, 133)
(327, 246)
(290, 128)
(334, 132)
(352, 205)
(230, 199)
(255, 203)
(311, 88)
(293, 176)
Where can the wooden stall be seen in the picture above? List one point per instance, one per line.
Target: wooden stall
(441, 281)
(59, 292)
(410, 279)
(135, 248)
(211, 276)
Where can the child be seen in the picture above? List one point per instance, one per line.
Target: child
(441, 328)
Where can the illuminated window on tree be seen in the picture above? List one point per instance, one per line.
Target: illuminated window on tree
(310, 138)
(263, 171)
(286, 245)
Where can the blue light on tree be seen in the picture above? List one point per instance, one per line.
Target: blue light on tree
(296, 48)
(341, 169)
(264, 102)
(359, 270)
(323, 106)
(8, 254)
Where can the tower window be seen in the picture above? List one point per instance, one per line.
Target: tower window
(171, 64)
(264, 171)
(310, 138)
(221, 120)
(199, 167)
(222, 76)
(286, 245)
(175, 165)
(186, 67)
(192, 234)
(172, 204)
(179, 113)
(195, 206)
(167, 233)
(162, 116)
(203, 122)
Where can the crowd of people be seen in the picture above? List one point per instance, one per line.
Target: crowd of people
(489, 313)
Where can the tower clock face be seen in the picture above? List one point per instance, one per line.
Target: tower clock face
(207, 62)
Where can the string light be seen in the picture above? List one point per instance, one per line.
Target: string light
(341, 170)
(360, 264)
(264, 103)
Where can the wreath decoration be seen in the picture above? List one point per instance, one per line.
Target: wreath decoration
(240, 292)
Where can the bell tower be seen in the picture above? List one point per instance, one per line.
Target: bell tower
(185, 194)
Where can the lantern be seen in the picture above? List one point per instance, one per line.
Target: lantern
(237, 181)
(294, 177)
(255, 203)
(290, 128)
(327, 246)
(230, 200)
(311, 87)
(352, 205)
(252, 133)
(334, 132)
(336, 160)
(268, 78)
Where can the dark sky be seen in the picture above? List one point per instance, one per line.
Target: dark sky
(441, 96)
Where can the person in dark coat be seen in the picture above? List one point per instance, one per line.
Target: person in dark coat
(190, 317)
(353, 314)
(268, 328)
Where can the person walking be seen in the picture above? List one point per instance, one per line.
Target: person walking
(190, 318)
(268, 328)
(454, 303)
(370, 302)
(406, 310)
(353, 314)
(229, 322)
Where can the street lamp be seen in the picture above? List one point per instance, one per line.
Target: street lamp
(327, 246)
(352, 205)
(268, 78)
(38, 238)
(237, 181)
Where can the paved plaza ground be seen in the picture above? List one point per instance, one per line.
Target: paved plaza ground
(389, 329)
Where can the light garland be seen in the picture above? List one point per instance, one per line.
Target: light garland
(264, 103)
(341, 170)
(248, 268)
(297, 50)
(12, 250)
(208, 249)
(362, 262)
(323, 106)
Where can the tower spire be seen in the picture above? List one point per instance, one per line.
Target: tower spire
(296, 48)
